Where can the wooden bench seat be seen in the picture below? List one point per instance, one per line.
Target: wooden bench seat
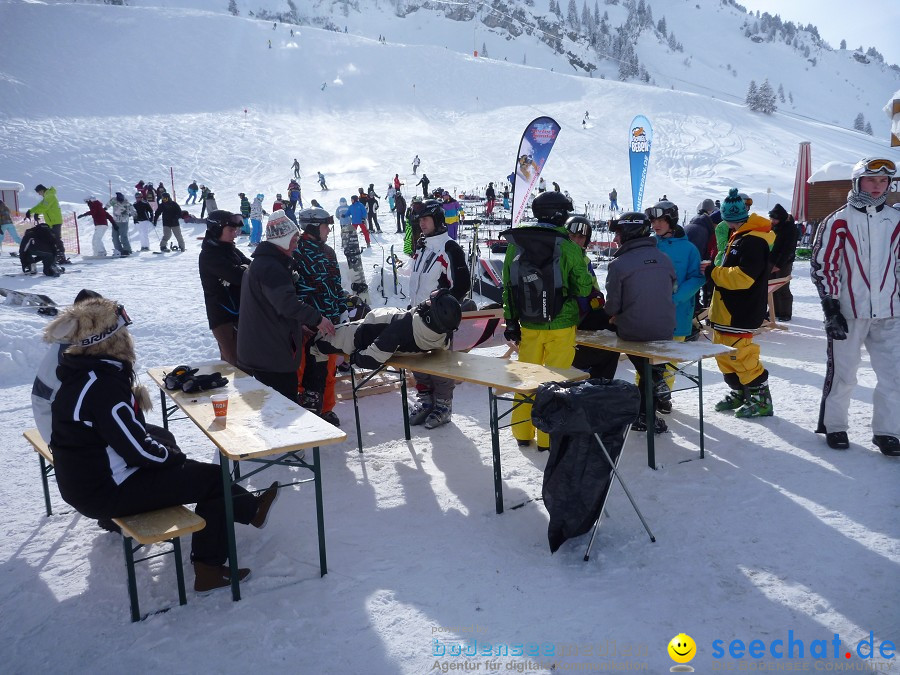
(168, 524)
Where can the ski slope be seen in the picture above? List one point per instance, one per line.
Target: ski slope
(772, 532)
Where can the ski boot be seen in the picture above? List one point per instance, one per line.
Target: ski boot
(662, 397)
(758, 403)
(312, 401)
(331, 417)
(889, 445)
(421, 409)
(440, 413)
(659, 424)
(837, 440)
(733, 400)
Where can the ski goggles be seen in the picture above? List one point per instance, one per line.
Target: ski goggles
(884, 166)
(655, 212)
(122, 320)
(579, 227)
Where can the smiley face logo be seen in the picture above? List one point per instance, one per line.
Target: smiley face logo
(682, 648)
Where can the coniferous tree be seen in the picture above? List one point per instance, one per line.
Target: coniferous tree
(843, 44)
(767, 98)
(572, 16)
(791, 98)
(661, 27)
(868, 128)
(752, 98)
(233, 8)
(859, 123)
(587, 23)
(781, 93)
(484, 50)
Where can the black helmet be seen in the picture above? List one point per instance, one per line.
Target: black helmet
(707, 206)
(433, 208)
(552, 207)
(220, 219)
(441, 312)
(310, 219)
(580, 225)
(664, 209)
(631, 225)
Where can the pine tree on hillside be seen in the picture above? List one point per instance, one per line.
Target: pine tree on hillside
(752, 98)
(233, 8)
(781, 93)
(791, 97)
(552, 8)
(859, 123)
(572, 16)
(661, 27)
(587, 23)
(484, 50)
(868, 128)
(843, 44)
(767, 98)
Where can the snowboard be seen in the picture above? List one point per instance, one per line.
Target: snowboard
(44, 303)
(350, 246)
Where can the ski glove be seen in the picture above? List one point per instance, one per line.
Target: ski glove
(835, 323)
(513, 332)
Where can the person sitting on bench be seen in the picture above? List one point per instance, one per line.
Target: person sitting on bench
(108, 465)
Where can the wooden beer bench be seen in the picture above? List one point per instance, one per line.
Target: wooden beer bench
(164, 525)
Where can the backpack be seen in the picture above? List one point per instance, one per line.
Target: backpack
(535, 273)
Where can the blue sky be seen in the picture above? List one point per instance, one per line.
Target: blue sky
(871, 23)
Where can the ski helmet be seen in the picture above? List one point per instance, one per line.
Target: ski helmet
(218, 220)
(631, 225)
(89, 199)
(580, 225)
(664, 209)
(432, 207)
(310, 219)
(552, 207)
(868, 166)
(441, 312)
(707, 206)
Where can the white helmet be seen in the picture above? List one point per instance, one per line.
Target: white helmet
(869, 166)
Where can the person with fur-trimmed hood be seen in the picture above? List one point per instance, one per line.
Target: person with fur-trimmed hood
(856, 270)
(438, 262)
(738, 306)
(107, 463)
(222, 266)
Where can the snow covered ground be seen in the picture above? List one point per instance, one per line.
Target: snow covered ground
(771, 533)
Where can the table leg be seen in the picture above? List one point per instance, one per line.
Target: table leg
(495, 450)
(650, 414)
(165, 409)
(320, 511)
(405, 404)
(356, 409)
(44, 474)
(229, 528)
(700, 394)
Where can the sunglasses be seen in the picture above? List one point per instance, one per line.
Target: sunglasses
(884, 166)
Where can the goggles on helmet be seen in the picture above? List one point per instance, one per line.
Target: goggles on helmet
(655, 212)
(884, 166)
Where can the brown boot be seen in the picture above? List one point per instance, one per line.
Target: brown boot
(266, 499)
(210, 577)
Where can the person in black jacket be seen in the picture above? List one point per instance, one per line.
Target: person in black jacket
(270, 333)
(143, 220)
(701, 232)
(171, 217)
(222, 267)
(108, 464)
(39, 245)
(781, 259)
(372, 209)
(400, 206)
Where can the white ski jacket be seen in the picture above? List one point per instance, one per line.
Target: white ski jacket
(441, 257)
(856, 258)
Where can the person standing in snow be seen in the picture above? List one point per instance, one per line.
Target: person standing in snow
(171, 218)
(490, 197)
(296, 167)
(100, 217)
(856, 270)
(222, 268)
(270, 332)
(192, 193)
(397, 183)
(372, 209)
(6, 224)
(415, 164)
(438, 263)
(357, 212)
(423, 181)
(400, 210)
(453, 214)
(782, 260)
(256, 215)
(322, 180)
(143, 220)
(613, 200)
(245, 213)
(122, 210)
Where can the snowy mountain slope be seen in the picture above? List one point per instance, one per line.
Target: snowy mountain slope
(718, 59)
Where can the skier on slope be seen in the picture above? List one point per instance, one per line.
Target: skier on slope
(256, 214)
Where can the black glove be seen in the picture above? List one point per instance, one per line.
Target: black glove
(835, 323)
(513, 332)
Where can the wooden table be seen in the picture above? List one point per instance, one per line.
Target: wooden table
(774, 285)
(657, 352)
(514, 377)
(262, 427)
